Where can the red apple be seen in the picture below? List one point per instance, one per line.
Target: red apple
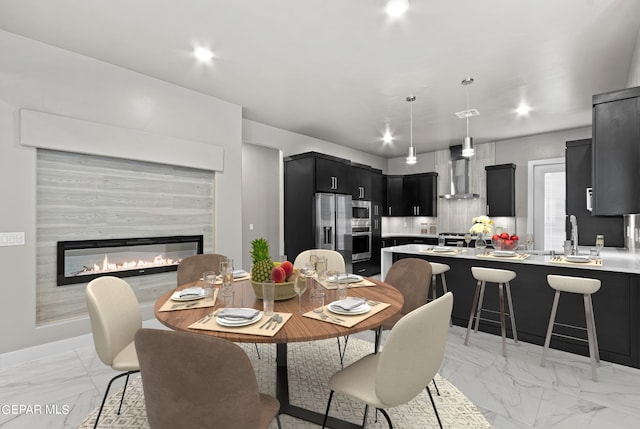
(288, 267)
(278, 274)
(508, 244)
(515, 237)
(504, 235)
(495, 237)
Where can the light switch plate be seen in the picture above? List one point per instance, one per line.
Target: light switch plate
(11, 238)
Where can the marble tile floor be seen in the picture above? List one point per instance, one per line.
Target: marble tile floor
(58, 390)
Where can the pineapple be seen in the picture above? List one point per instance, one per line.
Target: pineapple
(262, 264)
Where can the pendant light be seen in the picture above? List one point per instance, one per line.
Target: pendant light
(411, 158)
(467, 143)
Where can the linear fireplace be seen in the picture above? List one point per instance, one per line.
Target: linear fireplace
(83, 260)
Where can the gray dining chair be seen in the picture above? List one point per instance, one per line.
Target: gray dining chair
(115, 317)
(196, 381)
(190, 269)
(410, 358)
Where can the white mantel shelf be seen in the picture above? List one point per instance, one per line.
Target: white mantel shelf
(614, 259)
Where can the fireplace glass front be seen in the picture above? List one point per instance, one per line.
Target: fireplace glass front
(83, 260)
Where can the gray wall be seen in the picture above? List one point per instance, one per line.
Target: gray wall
(43, 78)
(261, 206)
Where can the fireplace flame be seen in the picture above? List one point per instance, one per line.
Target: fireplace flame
(158, 261)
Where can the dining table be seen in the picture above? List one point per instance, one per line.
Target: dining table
(296, 328)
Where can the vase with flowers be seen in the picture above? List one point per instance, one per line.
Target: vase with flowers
(482, 226)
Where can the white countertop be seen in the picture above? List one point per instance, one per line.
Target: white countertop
(614, 259)
(388, 235)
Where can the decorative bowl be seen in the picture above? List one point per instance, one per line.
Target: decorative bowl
(502, 244)
(283, 290)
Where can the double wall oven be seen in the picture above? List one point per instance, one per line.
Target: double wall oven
(361, 230)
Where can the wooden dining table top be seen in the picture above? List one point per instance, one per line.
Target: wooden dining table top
(298, 327)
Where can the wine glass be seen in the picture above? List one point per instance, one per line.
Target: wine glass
(529, 241)
(467, 238)
(599, 243)
(299, 286)
(227, 277)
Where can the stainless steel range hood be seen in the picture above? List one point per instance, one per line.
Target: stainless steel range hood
(459, 166)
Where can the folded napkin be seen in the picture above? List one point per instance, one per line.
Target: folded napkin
(349, 303)
(350, 278)
(238, 313)
(195, 291)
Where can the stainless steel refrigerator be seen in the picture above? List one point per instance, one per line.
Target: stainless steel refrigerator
(333, 224)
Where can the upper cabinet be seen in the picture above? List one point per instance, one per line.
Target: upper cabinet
(395, 201)
(420, 194)
(501, 190)
(332, 175)
(616, 152)
(360, 182)
(578, 183)
(412, 195)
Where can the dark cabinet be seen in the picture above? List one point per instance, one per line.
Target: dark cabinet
(420, 194)
(578, 160)
(501, 190)
(360, 182)
(616, 152)
(378, 198)
(412, 195)
(395, 202)
(332, 175)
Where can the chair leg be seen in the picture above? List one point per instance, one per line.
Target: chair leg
(552, 320)
(434, 286)
(364, 419)
(433, 404)
(512, 315)
(326, 413)
(503, 329)
(386, 416)
(257, 351)
(473, 311)
(436, 386)
(590, 331)
(595, 335)
(278, 421)
(479, 311)
(106, 393)
(444, 292)
(124, 389)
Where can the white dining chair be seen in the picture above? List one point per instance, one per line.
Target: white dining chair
(115, 317)
(411, 357)
(335, 261)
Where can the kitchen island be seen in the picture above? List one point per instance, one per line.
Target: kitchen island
(616, 304)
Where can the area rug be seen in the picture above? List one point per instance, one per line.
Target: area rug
(310, 366)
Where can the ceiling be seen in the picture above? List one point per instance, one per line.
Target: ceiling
(340, 70)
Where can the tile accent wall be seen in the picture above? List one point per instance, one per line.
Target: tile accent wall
(82, 197)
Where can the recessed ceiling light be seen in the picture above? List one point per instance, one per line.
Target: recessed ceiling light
(203, 54)
(396, 7)
(523, 109)
(387, 139)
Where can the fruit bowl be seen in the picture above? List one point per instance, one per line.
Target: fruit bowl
(504, 244)
(283, 290)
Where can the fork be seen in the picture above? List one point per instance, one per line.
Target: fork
(329, 316)
(373, 303)
(267, 323)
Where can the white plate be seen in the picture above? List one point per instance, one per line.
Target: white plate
(361, 309)
(577, 258)
(240, 322)
(504, 253)
(351, 278)
(442, 249)
(239, 273)
(191, 295)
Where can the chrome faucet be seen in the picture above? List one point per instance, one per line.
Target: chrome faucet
(574, 234)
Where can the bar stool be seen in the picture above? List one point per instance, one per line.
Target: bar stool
(436, 269)
(501, 277)
(586, 287)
